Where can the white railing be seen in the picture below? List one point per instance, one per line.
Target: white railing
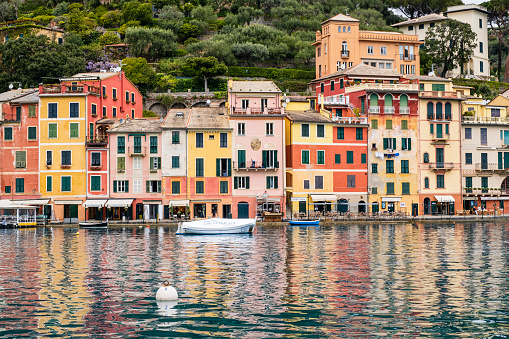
(334, 100)
(389, 109)
(389, 87)
(350, 120)
(404, 110)
(374, 109)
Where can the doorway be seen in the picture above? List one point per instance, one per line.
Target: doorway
(227, 211)
(390, 207)
(70, 212)
(242, 210)
(152, 211)
(139, 211)
(362, 207)
(426, 206)
(213, 209)
(200, 210)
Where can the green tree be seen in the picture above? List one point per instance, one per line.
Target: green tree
(140, 73)
(151, 42)
(79, 24)
(249, 51)
(136, 11)
(111, 19)
(450, 44)
(204, 13)
(499, 23)
(60, 9)
(371, 19)
(416, 8)
(109, 38)
(188, 30)
(219, 49)
(203, 66)
(243, 17)
(170, 18)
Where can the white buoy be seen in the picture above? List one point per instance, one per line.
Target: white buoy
(166, 292)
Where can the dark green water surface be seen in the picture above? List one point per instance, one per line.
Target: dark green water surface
(363, 281)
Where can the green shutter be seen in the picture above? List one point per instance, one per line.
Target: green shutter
(264, 159)
(363, 158)
(337, 158)
(276, 163)
(500, 160)
(148, 186)
(394, 143)
(31, 111)
(49, 184)
(235, 183)
(385, 143)
(229, 167)
(241, 158)
(218, 167)
(276, 182)
(409, 144)
(247, 182)
(159, 186)
(267, 180)
(159, 163)
(403, 143)
(152, 163)
(126, 185)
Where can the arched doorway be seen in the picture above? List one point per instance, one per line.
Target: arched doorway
(242, 210)
(342, 205)
(200, 104)
(427, 205)
(178, 105)
(362, 207)
(505, 186)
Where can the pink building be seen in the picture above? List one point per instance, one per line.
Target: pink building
(135, 184)
(257, 120)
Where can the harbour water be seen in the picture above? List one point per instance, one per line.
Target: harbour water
(443, 280)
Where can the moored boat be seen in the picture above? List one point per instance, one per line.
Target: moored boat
(304, 222)
(95, 224)
(217, 226)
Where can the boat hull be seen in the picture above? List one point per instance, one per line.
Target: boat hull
(218, 226)
(103, 224)
(304, 222)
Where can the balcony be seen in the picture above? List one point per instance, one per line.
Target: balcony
(256, 111)
(69, 89)
(485, 167)
(404, 110)
(137, 151)
(333, 100)
(441, 137)
(349, 120)
(374, 109)
(483, 120)
(100, 142)
(95, 167)
(410, 57)
(345, 54)
(382, 87)
(65, 166)
(439, 94)
(254, 166)
(484, 191)
(389, 110)
(441, 166)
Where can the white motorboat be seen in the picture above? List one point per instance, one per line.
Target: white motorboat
(217, 226)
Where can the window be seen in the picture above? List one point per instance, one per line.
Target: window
(389, 143)
(96, 159)
(319, 182)
(153, 144)
(349, 157)
(31, 111)
(431, 126)
(155, 163)
(223, 187)
(484, 184)
(325, 49)
(74, 110)
(49, 183)
(175, 137)
(374, 168)
(264, 103)
(175, 187)
(65, 184)
(438, 110)
(341, 133)
(481, 66)
(350, 181)
(199, 167)
(374, 124)
(332, 85)
(374, 190)
(137, 144)
(446, 128)
(94, 109)
(7, 189)
(49, 158)
(440, 181)
(114, 112)
(426, 182)
(66, 158)
(175, 161)
(402, 69)
(20, 185)
(438, 87)
(304, 130)
(320, 155)
(121, 145)
(480, 23)
(426, 158)
(137, 186)
(52, 131)
(104, 91)
(114, 93)
(337, 158)
(21, 159)
(32, 133)
(269, 159)
(53, 110)
(74, 128)
(304, 157)
(271, 182)
(363, 158)
(480, 47)
(126, 96)
(121, 163)
(389, 166)
(132, 97)
(388, 124)
(405, 188)
(132, 113)
(421, 26)
(241, 128)
(121, 186)
(468, 158)
(383, 51)
(468, 184)
(154, 186)
(390, 188)
(359, 133)
(305, 184)
(406, 144)
(200, 187)
(484, 136)
(495, 112)
(410, 28)
(404, 166)
(322, 87)
(404, 124)
(370, 50)
(223, 140)
(468, 133)
(199, 140)
(320, 131)
(95, 183)
(241, 182)
(245, 104)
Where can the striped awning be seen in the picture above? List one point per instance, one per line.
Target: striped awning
(323, 197)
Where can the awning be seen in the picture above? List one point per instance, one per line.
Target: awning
(269, 200)
(323, 197)
(179, 203)
(391, 199)
(493, 198)
(152, 202)
(469, 198)
(206, 200)
(119, 202)
(32, 201)
(94, 203)
(444, 198)
(68, 202)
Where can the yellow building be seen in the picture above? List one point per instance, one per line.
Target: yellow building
(62, 166)
(439, 159)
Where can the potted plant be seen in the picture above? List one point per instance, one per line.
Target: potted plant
(115, 98)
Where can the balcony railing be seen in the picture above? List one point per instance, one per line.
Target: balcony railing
(483, 120)
(374, 109)
(441, 137)
(382, 87)
(404, 110)
(99, 142)
(254, 166)
(490, 167)
(437, 166)
(349, 120)
(438, 94)
(137, 150)
(256, 111)
(389, 110)
(484, 191)
(407, 57)
(71, 89)
(345, 54)
(333, 100)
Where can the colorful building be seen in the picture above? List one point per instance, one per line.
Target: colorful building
(209, 163)
(135, 170)
(257, 118)
(439, 127)
(341, 44)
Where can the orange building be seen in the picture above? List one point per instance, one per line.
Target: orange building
(341, 45)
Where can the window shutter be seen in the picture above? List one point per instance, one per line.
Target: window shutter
(114, 186)
(148, 186)
(126, 185)
(264, 159)
(247, 182)
(276, 163)
(151, 163)
(267, 179)
(409, 144)
(403, 143)
(159, 164)
(235, 183)
(385, 143)
(229, 167)
(275, 182)
(218, 169)
(159, 186)
(394, 143)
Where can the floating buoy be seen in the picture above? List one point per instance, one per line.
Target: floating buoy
(148, 225)
(166, 292)
(78, 233)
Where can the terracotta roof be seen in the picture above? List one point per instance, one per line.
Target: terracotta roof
(138, 126)
(14, 93)
(209, 118)
(427, 18)
(105, 121)
(100, 75)
(32, 98)
(307, 116)
(362, 70)
(254, 87)
(176, 118)
(296, 98)
(342, 17)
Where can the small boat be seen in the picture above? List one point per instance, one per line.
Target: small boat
(217, 226)
(304, 222)
(95, 224)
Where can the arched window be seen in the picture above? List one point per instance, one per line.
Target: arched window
(373, 100)
(448, 113)
(344, 29)
(403, 100)
(426, 182)
(439, 110)
(426, 157)
(430, 111)
(388, 100)
(344, 47)
(349, 29)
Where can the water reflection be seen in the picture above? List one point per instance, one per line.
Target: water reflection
(394, 280)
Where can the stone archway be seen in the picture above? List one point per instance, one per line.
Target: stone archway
(178, 105)
(200, 104)
(223, 104)
(505, 186)
(159, 109)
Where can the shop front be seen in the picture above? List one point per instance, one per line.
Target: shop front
(444, 204)
(153, 210)
(178, 209)
(119, 209)
(323, 203)
(94, 209)
(391, 204)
